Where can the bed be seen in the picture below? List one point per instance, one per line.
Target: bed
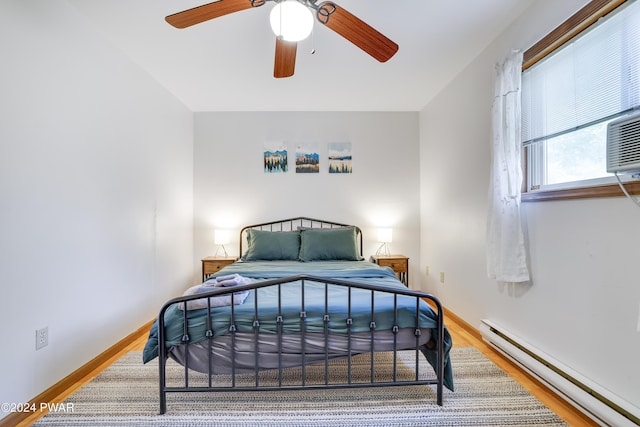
(301, 293)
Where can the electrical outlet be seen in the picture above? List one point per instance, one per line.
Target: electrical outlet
(42, 337)
(442, 277)
(426, 270)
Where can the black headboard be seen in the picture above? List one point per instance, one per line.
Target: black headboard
(293, 224)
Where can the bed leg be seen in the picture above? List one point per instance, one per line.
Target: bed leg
(163, 403)
(162, 382)
(440, 353)
(162, 356)
(163, 393)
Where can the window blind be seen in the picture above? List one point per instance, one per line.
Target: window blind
(593, 78)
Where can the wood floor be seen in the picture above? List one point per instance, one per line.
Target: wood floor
(463, 336)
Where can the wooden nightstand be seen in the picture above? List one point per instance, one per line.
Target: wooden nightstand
(398, 263)
(212, 264)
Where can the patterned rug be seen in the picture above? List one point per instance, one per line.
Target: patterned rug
(126, 394)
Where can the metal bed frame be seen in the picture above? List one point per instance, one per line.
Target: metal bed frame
(348, 382)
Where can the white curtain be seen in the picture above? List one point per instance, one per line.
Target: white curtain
(506, 253)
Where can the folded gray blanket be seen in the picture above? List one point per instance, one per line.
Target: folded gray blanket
(219, 301)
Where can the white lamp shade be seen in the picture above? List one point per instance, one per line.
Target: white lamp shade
(291, 20)
(385, 235)
(221, 237)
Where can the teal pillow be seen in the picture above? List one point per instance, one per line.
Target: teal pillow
(272, 245)
(325, 244)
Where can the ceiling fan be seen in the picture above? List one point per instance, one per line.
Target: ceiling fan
(327, 13)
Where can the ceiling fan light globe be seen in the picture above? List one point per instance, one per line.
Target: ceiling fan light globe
(291, 20)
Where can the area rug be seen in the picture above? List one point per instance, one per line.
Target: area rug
(126, 394)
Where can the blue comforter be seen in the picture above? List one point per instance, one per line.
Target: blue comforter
(314, 296)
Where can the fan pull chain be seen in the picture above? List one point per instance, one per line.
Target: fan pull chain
(280, 11)
(313, 40)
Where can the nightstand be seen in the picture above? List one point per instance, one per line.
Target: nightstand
(213, 264)
(398, 263)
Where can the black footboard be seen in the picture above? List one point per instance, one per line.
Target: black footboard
(323, 318)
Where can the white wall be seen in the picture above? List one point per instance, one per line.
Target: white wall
(382, 190)
(582, 306)
(96, 187)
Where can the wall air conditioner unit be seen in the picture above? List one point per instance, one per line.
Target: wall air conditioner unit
(623, 145)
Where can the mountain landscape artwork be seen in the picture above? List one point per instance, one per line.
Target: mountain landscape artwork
(340, 157)
(275, 157)
(307, 158)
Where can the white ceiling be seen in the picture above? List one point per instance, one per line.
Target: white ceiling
(226, 64)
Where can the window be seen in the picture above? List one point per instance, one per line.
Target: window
(570, 95)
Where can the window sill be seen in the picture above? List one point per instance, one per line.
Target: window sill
(608, 190)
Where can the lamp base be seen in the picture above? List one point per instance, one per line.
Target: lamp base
(383, 250)
(223, 249)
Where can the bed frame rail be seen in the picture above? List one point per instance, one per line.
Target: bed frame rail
(186, 386)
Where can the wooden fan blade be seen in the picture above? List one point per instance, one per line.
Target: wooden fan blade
(356, 31)
(199, 14)
(285, 60)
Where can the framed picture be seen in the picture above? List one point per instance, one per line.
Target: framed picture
(340, 157)
(275, 157)
(307, 158)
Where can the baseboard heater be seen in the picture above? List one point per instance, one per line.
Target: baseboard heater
(594, 401)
